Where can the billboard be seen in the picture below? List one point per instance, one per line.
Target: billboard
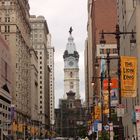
(128, 76)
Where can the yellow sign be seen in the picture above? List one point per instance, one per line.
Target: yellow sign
(128, 76)
(20, 128)
(14, 127)
(97, 112)
(106, 102)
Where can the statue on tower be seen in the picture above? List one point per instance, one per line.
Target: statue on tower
(70, 31)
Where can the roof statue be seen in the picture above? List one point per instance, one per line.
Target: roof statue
(70, 31)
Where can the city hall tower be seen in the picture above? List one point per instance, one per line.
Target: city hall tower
(71, 68)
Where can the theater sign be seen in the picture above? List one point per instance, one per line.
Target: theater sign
(128, 76)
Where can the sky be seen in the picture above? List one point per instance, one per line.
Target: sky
(60, 16)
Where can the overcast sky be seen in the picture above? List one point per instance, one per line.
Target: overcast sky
(60, 15)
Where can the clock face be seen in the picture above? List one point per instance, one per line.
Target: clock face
(71, 63)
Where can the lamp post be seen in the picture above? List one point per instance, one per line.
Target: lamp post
(109, 87)
(117, 35)
(101, 96)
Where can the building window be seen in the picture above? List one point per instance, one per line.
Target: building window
(4, 69)
(115, 51)
(7, 19)
(101, 51)
(70, 105)
(6, 37)
(107, 50)
(71, 85)
(71, 74)
(7, 28)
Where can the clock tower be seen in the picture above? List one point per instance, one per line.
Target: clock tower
(71, 68)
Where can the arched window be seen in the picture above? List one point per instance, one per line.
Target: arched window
(71, 74)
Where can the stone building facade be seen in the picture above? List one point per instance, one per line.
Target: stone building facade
(51, 51)
(15, 28)
(39, 32)
(6, 89)
(34, 87)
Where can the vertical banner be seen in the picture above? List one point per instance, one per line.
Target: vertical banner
(105, 98)
(98, 112)
(137, 110)
(113, 91)
(128, 76)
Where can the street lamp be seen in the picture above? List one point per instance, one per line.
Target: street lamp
(118, 34)
(101, 96)
(109, 85)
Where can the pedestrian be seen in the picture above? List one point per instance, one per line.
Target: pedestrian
(127, 138)
(133, 137)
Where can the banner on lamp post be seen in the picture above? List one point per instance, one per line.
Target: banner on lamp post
(105, 105)
(128, 76)
(137, 110)
(98, 112)
(113, 90)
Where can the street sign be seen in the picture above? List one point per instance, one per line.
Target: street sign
(99, 126)
(96, 126)
(120, 110)
(106, 127)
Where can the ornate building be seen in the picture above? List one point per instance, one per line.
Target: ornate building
(70, 117)
(71, 68)
(15, 28)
